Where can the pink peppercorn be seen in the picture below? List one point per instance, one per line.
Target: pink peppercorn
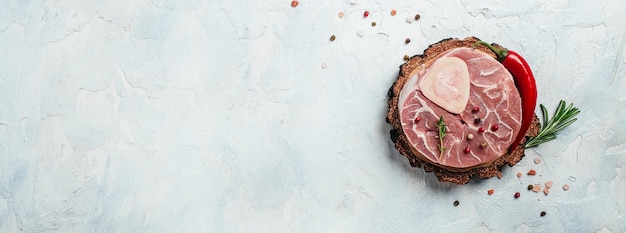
(418, 119)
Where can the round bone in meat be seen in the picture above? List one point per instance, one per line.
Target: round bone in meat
(447, 84)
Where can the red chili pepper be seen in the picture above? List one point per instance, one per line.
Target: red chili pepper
(525, 82)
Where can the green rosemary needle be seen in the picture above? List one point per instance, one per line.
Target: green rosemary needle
(563, 116)
(442, 133)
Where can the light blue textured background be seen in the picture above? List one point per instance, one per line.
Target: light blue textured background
(218, 116)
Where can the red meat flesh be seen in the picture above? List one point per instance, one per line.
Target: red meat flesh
(492, 90)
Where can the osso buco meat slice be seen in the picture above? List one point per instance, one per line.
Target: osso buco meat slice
(477, 98)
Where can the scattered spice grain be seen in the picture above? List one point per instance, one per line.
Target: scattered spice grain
(365, 14)
(294, 3)
(536, 188)
(490, 191)
(530, 187)
(494, 127)
(340, 14)
(417, 17)
(456, 203)
(543, 213)
(537, 160)
(565, 187)
(499, 173)
(519, 175)
(393, 12)
(332, 38)
(417, 120)
(516, 196)
(532, 172)
(546, 191)
(373, 24)
(407, 40)
(406, 57)
(549, 184)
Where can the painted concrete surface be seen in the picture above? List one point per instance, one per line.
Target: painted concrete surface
(242, 116)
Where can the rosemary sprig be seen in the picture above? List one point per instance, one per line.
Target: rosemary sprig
(563, 116)
(442, 133)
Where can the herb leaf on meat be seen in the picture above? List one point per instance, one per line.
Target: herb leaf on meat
(442, 133)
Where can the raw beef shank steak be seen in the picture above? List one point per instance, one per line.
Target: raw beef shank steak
(459, 87)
